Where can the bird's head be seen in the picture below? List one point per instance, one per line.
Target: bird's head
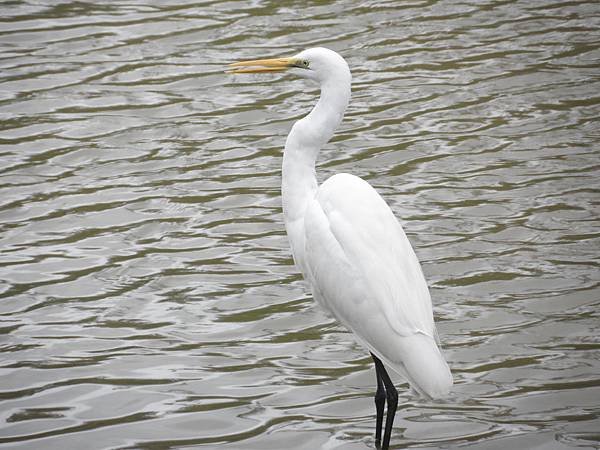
(319, 64)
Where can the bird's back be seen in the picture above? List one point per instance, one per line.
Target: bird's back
(363, 269)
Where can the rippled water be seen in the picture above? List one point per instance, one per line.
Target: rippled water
(147, 295)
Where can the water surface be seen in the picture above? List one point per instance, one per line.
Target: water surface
(148, 299)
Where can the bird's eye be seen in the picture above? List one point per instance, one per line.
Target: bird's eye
(305, 63)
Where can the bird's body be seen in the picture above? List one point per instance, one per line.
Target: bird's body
(363, 270)
(350, 247)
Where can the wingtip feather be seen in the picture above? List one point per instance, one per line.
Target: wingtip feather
(421, 361)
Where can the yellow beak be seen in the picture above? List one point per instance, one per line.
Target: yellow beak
(262, 65)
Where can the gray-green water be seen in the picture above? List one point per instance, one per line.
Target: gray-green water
(147, 295)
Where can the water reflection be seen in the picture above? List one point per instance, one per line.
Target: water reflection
(148, 295)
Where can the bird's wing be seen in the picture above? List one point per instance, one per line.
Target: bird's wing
(363, 269)
(357, 252)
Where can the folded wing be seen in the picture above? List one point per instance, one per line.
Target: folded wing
(363, 269)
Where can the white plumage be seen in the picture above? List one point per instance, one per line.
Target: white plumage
(362, 268)
(349, 245)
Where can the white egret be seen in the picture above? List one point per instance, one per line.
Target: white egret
(350, 247)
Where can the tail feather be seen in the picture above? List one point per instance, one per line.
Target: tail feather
(420, 361)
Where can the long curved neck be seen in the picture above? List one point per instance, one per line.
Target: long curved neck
(307, 137)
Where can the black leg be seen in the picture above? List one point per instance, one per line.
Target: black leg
(392, 400)
(379, 404)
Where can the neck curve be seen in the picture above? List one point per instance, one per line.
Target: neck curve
(307, 137)
(312, 132)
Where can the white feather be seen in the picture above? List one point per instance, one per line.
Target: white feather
(350, 247)
(363, 269)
